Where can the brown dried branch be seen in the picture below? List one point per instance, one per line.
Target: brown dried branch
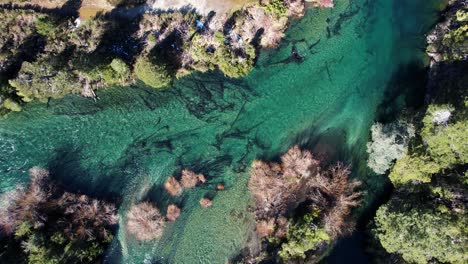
(173, 187)
(145, 222)
(172, 213)
(205, 202)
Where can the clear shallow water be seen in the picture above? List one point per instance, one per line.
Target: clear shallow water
(127, 144)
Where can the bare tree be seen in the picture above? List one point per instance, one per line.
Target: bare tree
(172, 213)
(278, 189)
(173, 187)
(145, 221)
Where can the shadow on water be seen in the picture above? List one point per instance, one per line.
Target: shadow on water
(405, 90)
(66, 169)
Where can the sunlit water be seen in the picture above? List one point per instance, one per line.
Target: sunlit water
(127, 143)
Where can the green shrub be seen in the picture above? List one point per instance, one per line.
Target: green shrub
(445, 145)
(46, 27)
(413, 168)
(233, 65)
(422, 235)
(11, 105)
(303, 236)
(121, 68)
(154, 75)
(276, 7)
(44, 79)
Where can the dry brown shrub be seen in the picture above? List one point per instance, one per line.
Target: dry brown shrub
(87, 218)
(279, 189)
(254, 19)
(78, 215)
(172, 213)
(345, 197)
(27, 207)
(265, 185)
(145, 221)
(265, 228)
(172, 186)
(189, 178)
(38, 175)
(201, 178)
(9, 216)
(282, 227)
(295, 8)
(323, 3)
(205, 202)
(297, 164)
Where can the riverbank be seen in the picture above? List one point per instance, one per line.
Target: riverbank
(123, 45)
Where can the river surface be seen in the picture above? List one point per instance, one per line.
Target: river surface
(363, 60)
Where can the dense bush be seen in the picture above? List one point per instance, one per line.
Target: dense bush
(425, 219)
(154, 75)
(422, 235)
(456, 40)
(444, 146)
(46, 27)
(303, 236)
(44, 79)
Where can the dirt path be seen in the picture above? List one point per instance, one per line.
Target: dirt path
(90, 8)
(203, 6)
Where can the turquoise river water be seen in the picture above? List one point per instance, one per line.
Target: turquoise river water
(357, 59)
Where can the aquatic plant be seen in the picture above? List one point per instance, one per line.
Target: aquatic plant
(173, 187)
(172, 213)
(145, 222)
